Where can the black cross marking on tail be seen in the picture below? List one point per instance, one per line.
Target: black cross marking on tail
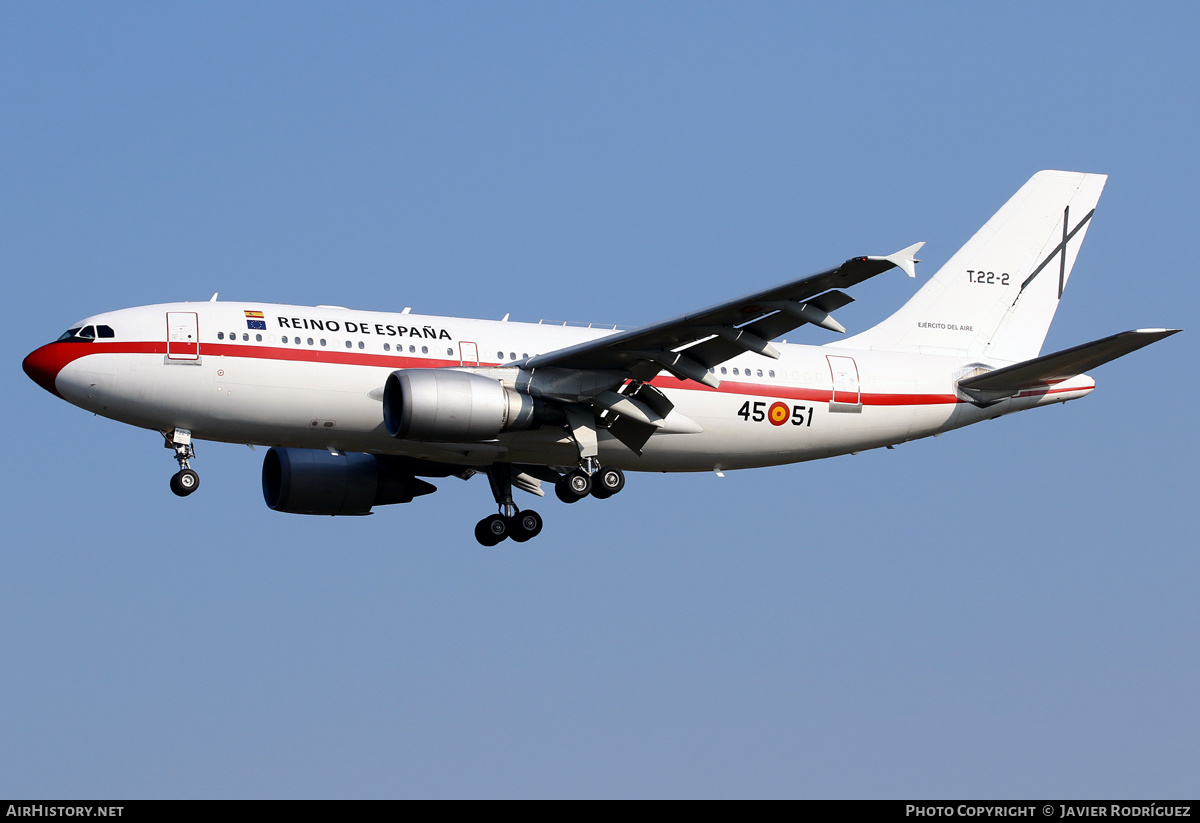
(1061, 251)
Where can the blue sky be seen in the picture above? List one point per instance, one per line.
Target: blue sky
(1006, 611)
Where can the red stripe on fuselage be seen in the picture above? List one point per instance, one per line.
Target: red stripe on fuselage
(43, 365)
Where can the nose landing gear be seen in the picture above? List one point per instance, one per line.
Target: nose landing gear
(185, 481)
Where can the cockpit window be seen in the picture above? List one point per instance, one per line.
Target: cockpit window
(87, 334)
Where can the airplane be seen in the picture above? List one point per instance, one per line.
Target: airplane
(357, 407)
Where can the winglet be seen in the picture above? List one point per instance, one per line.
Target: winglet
(904, 259)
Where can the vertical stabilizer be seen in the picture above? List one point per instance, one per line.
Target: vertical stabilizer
(996, 296)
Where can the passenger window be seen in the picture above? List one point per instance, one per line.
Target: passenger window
(760, 373)
(412, 349)
(220, 335)
(723, 370)
(387, 346)
(284, 338)
(512, 355)
(424, 350)
(524, 356)
(771, 374)
(499, 355)
(349, 345)
(310, 341)
(361, 344)
(258, 338)
(449, 351)
(322, 341)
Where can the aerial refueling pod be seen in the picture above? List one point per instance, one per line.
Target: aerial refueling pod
(313, 481)
(443, 405)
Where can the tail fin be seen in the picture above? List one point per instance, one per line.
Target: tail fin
(996, 296)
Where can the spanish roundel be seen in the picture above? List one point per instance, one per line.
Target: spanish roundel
(778, 414)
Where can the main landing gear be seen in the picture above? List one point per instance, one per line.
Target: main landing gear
(599, 483)
(185, 481)
(510, 522)
(514, 524)
(521, 526)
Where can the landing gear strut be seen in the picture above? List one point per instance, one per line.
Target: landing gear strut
(185, 481)
(510, 521)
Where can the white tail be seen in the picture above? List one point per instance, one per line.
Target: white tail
(996, 296)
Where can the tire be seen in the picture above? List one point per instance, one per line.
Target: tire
(563, 493)
(490, 531)
(525, 526)
(573, 486)
(185, 482)
(607, 482)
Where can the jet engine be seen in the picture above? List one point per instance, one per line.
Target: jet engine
(447, 406)
(313, 481)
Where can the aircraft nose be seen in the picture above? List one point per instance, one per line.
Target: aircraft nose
(43, 365)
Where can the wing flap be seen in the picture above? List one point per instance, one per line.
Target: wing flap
(713, 352)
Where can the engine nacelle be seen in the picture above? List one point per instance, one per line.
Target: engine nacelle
(313, 481)
(447, 406)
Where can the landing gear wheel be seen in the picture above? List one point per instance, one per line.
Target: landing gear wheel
(573, 486)
(607, 482)
(184, 482)
(525, 525)
(491, 530)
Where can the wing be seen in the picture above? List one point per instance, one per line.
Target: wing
(690, 345)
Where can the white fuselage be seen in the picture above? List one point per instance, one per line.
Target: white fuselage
(313, 378)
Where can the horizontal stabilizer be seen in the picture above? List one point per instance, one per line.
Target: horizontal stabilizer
(1059, 366)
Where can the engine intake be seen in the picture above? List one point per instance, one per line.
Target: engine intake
(442, 405)
(313, 481)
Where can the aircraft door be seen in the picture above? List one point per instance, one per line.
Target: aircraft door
(468, 353)
(846, 395)
(183, 335)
